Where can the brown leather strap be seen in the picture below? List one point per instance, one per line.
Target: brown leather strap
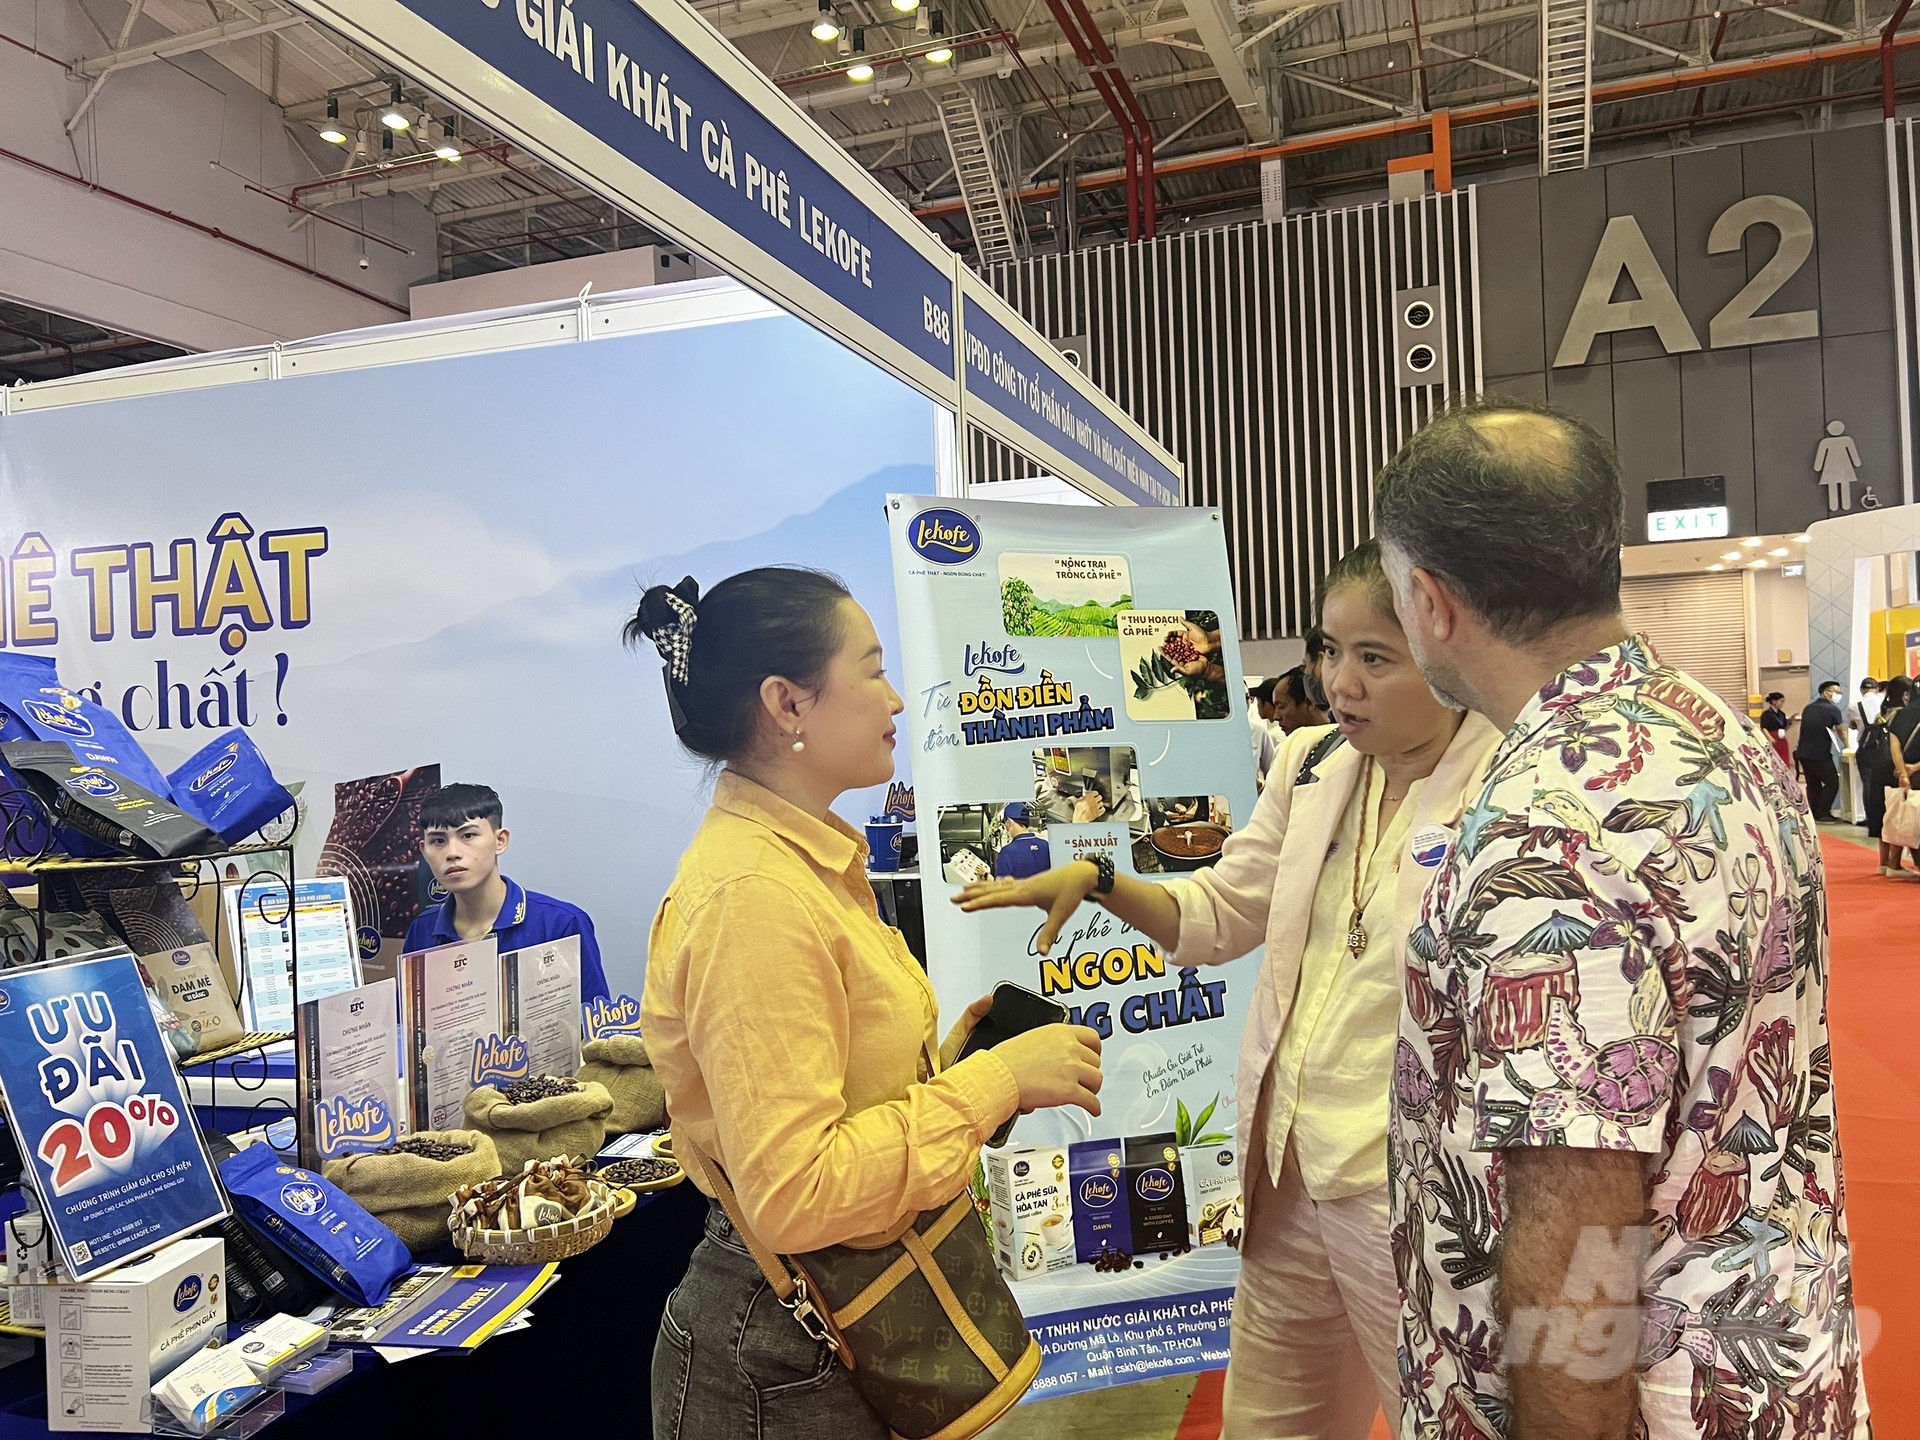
(696, 1164)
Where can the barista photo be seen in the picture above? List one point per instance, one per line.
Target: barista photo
(463, 834)
(980, 842)
(1086, 785)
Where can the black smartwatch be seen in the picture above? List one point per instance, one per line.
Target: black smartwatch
(1103, 882)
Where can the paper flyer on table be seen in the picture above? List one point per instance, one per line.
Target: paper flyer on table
(540, 997)
(1073, 688)
(266, 930)
(102, 1120)
(350, 1091)
(463, 1307)
(450, 1001)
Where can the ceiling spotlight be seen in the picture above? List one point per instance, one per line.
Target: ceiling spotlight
(393, 119)
(906, 7)
(449, 147)
(939, 57)
(845, 47)
(1758, 565)
(859, 40)
(1716, 567)
(1731, 556)
(1778, 553)
(331, 131)
(862, 71)
(1752, 542)
(827, 27)
(1801, 539)
(922, 20)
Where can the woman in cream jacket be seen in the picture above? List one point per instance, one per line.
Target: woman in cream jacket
(1328, 876)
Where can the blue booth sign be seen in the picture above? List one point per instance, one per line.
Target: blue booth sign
(100, 1114)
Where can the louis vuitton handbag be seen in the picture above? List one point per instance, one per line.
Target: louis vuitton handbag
(923, 1320)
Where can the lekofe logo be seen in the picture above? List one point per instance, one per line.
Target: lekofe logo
(187, 1292)
(302, 1199)
(1154, 1185)
(945, 537)
(96, 783)
(219, 768)
(1098, 1192)
(57, 717)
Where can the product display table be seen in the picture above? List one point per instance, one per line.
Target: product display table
(588, 1354)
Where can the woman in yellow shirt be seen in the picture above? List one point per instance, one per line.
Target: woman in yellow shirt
(767, 958)
(1328, 875)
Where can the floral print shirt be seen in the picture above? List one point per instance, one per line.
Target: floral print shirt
(1626, 948)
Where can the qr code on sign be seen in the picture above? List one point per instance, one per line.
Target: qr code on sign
(82, 1253)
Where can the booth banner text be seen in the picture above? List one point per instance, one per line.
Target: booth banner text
(1073, 687)
(100, 1114)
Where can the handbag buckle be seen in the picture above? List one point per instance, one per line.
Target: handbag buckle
(812, 1321)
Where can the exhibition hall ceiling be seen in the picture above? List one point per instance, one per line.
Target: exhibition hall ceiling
(39, 345)
(1216, 79)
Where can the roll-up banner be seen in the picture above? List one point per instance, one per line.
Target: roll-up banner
(1073, 688)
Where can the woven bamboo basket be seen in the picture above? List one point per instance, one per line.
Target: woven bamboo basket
(544, 1244)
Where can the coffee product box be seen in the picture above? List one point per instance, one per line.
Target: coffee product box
(110, 1339)
(1214, 1208)
(1102, 1219)
(1032, 1211)
(1155, 1195)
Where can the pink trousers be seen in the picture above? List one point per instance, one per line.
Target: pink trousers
(1316, 1322)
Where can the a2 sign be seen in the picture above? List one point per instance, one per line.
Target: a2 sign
(1624, 250)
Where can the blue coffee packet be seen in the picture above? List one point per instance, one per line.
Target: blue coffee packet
(228, 788)
(39, 707)
(316, 1223)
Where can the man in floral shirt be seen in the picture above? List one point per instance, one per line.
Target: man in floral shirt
(1618, 1199)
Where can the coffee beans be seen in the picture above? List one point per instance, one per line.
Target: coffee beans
(537, 1087)
(1179, 649)
(428, 1149)
(638, 1172)
(1108, 1262)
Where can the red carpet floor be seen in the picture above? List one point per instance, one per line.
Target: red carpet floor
(1873, 1003)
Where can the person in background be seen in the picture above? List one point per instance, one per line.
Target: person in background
(1023, 853)
(1293, 705)
(1823, 737)
(1316, 652)
(1873, 759)
(1615, 1036)
(1867, 708)
(767, 958)
(1775, 721)
(463, 836)
(1324, 876)
(1900, 716)
(1259, 714)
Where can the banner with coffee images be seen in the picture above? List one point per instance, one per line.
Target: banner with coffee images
(1073, 688)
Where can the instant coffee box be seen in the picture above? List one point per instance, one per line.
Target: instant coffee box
(1032, 1215)
(1214, 1208)
(1155, 1196)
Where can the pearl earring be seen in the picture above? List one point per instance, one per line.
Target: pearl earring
(798, 743)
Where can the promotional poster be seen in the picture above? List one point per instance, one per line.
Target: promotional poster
(103, 1122)
(1073, 688)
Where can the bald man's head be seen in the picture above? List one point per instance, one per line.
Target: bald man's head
(1517, 507)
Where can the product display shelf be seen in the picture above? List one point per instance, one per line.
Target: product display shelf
(261, 870)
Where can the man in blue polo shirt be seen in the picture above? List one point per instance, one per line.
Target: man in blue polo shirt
(1023, 853)
(463, 840)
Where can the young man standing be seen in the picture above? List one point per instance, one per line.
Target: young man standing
(462, 837)
(1823, 735)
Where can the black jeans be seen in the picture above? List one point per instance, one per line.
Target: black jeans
(1823, 783)
(731, 1362)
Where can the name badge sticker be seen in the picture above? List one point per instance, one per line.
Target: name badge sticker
(1429, 846)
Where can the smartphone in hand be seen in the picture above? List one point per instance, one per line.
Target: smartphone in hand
(1015, 1011)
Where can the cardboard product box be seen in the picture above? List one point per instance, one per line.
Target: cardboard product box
(1032, 1211)
(31, 1266)
(1102, 1219)
(1215, 1211)
(1155, 1194)
(109, 1340)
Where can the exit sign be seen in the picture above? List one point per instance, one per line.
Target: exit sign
(1704, 522)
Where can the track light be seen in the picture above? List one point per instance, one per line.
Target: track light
(393, 119)
(922, 20)
(862, 71)
(827, 27)
(845, 47)
(449, 147)
(331, 131)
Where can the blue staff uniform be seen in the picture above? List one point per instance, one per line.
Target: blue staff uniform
(526, 918)
(1022, 856)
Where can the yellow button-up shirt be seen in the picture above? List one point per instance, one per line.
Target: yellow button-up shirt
(1327, 1086)
(795, 1033)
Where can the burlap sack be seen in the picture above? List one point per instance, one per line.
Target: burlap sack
(571, 1125)
(620, 1063)
(408, 1193)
